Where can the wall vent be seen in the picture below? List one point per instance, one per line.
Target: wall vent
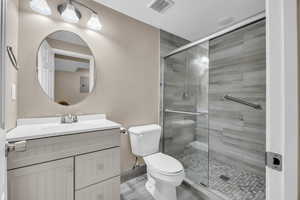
(161, 6)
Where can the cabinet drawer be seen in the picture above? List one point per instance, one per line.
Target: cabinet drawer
(53, 148)
(108, 190)
(95, 167)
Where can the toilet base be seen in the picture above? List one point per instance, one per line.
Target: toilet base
(160, 190)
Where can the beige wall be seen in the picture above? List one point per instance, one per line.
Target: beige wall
(127, 69)
(11, 76)
(299, 97)
(67, 86)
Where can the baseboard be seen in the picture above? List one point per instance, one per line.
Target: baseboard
(204, 192)
(133, 173)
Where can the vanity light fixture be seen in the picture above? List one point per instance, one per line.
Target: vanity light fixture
(68, 12)
(94, 22)
(71, 14)
(40, 6)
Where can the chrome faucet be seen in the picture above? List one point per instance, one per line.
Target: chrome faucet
(68, 119)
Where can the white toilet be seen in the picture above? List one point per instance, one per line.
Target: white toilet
(164, 172)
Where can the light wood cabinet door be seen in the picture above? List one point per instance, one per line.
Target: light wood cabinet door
(96, 167)
(47, 181)
(108, 190)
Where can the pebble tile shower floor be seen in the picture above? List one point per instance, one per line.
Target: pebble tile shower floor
(230, 181)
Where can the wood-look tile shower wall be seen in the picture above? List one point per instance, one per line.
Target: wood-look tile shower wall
(238, 68)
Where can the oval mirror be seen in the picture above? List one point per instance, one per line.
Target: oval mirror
(65, 68)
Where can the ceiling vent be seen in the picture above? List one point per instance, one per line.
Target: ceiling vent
(161, 6)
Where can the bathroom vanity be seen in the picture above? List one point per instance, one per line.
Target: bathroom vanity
(57, 161)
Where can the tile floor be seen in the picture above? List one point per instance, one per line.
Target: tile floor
(134, 189)
(229, 182)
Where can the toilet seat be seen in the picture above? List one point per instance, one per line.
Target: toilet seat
(164, 164)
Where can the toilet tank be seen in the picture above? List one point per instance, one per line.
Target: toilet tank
(145, 139)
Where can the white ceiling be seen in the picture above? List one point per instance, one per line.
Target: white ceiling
(190, 19)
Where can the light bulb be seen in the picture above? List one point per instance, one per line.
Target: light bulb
(40, 6)
(69, 14)
(94, 23)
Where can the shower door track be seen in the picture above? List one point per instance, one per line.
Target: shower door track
(234, 27)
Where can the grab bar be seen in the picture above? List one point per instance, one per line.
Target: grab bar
(241, 101)
(186, 113)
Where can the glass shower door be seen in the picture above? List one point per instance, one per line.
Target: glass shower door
(236, 130)
(186, 111)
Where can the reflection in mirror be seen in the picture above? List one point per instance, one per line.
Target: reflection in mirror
(65, 67)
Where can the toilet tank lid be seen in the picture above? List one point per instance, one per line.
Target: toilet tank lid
(140, 130)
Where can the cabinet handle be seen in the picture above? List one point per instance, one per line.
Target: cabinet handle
(17, 147)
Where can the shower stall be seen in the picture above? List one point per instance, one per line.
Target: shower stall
(214, 96)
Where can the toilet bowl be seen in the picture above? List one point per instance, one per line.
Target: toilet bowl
(164, 173)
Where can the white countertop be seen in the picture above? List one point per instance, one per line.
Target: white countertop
(35, 128)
